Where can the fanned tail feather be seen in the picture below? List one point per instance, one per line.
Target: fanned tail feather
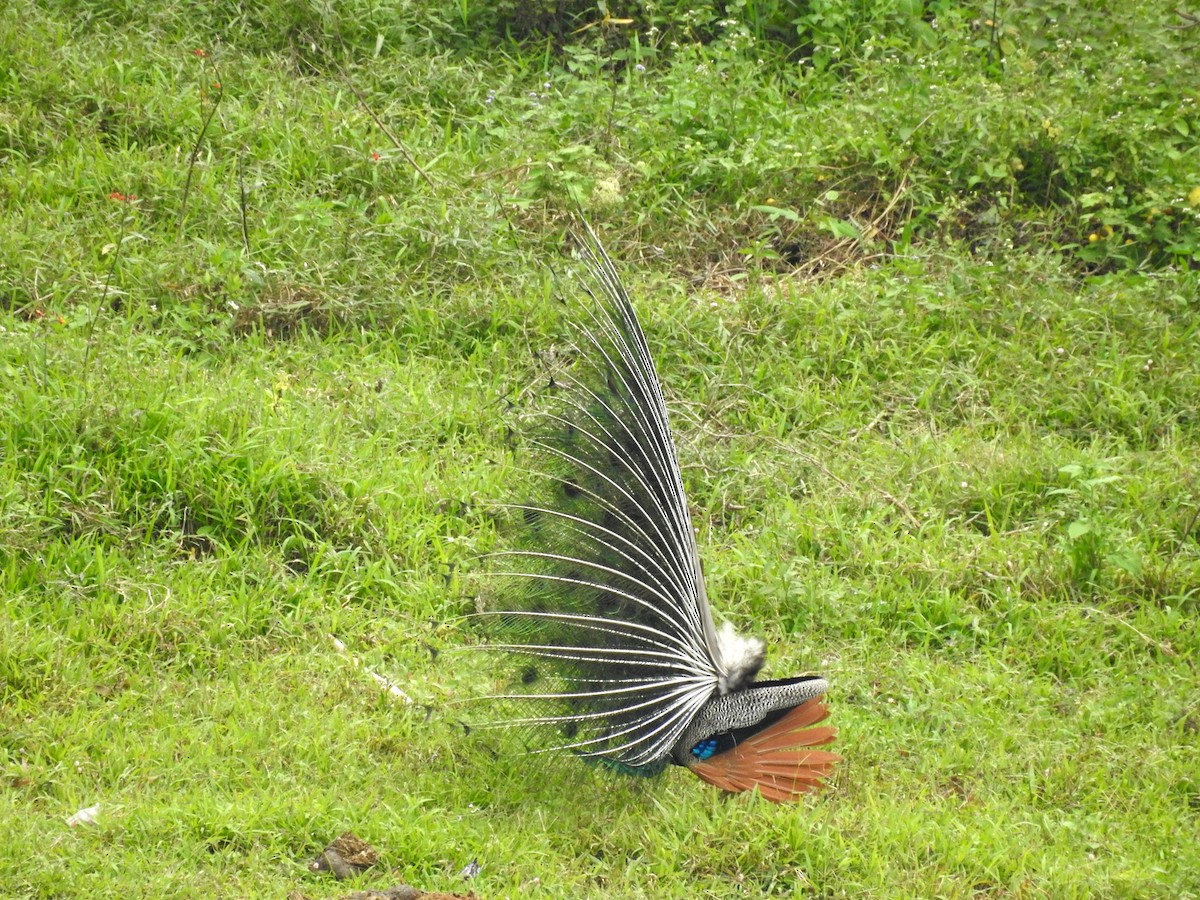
(777, 760)
(601, 590)
(600, 593)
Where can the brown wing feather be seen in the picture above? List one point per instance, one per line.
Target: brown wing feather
(774, 760)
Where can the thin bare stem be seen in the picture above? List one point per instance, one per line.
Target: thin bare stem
(387, 131)
(241, 173)
(87, 352)
(195, 154)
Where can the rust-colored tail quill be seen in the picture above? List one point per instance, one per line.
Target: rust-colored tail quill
(777, 760)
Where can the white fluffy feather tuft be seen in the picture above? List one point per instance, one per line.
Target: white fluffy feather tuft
(738, 657)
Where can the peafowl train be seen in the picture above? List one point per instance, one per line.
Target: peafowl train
(603, 597)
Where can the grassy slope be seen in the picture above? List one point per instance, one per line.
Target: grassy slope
(959, 479)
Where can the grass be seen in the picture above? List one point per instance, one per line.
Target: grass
(925, 309)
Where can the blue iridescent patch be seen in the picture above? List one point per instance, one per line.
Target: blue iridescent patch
(705, 748)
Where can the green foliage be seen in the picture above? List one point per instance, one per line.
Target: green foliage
(922, 289)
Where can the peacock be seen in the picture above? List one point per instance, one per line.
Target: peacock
(602, 597)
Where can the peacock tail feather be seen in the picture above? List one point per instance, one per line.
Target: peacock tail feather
(602, 591)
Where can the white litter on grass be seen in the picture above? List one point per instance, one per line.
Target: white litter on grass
(386, 683)
(88, 816)
(390, 686)
(471, 869)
